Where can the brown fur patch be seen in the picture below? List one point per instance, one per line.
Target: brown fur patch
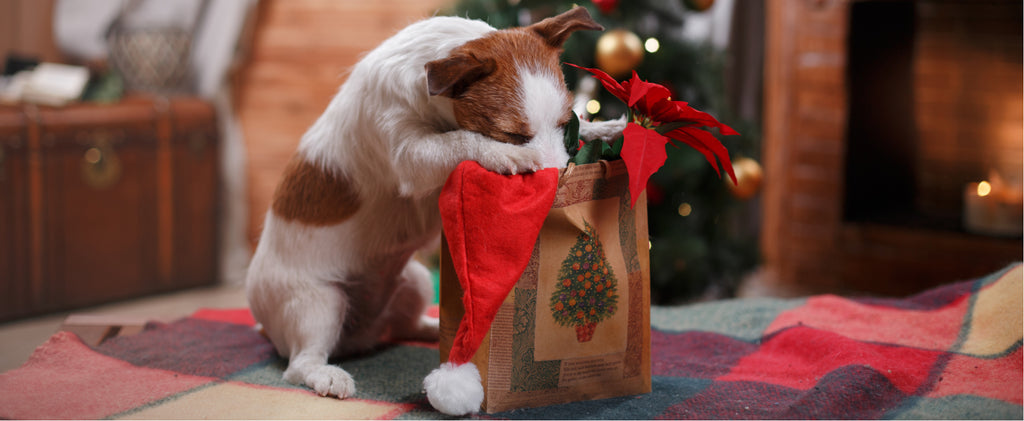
(490, 106)
(313, 196)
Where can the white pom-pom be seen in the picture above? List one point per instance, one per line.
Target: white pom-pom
(455, 389)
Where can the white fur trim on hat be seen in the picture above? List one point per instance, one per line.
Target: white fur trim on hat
(455, 389)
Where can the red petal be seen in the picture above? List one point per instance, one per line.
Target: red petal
(708, 154)
(702, 119)
(643, 151)
(637, 89)
(662, 110)
(609, 82)
(645, 96)
(708, 145)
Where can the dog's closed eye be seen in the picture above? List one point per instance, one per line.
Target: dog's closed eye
(517, 138)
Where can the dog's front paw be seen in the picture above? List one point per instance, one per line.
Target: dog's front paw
(329, 380)
(604, 130)
(504, 158)
(326, 380)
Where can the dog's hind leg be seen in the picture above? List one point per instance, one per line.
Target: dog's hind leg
(412, 295)
(312, 330)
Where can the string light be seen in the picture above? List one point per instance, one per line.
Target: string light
(652, 45)
(593, 106)
(984, 188)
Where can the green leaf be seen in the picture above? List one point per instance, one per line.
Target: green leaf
(572, 135)
(589, 153)
(613, 151)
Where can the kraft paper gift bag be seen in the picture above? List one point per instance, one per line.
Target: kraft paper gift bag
(576, 325)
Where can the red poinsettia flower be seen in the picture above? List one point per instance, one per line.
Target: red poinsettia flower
(656, 121)
(606, 6)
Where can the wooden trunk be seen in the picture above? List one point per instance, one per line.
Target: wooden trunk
(105, 202)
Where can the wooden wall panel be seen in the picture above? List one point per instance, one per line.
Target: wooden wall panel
(300, 54)
(803, 132)
(25, 29)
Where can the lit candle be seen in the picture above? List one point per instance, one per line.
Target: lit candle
(993, 208)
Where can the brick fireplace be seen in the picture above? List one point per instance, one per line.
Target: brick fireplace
(877, 116)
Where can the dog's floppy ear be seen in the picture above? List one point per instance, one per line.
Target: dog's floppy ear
(452, 75)
(556, 29)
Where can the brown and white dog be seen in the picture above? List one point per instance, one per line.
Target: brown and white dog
(334, 273)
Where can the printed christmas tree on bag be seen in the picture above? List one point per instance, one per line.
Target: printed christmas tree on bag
(587, 289)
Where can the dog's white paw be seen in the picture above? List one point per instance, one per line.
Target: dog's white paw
(329, 380)
(505, 158)
(604, 130)
(325, 380)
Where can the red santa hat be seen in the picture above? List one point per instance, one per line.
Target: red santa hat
(491, 222)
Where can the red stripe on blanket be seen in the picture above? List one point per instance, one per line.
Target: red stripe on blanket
(996, 378)
(931, 329)
(60, 368)
(800, 357)
(240, 316)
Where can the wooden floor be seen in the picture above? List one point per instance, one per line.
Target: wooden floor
(300, 54)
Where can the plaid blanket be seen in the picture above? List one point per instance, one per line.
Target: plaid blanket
(952, 352)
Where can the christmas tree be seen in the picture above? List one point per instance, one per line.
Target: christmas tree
(695, 219)
(587, 289)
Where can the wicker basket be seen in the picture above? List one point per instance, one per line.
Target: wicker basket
(153, 60)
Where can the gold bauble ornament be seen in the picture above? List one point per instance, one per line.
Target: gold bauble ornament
(619, 51)
(748, 178)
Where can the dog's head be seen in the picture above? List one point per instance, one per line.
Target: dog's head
(508, 85)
